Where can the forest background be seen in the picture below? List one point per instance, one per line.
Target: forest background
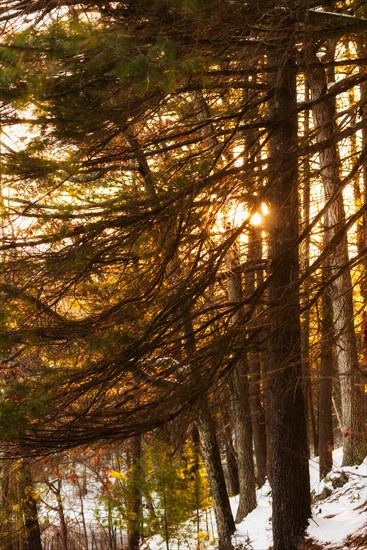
(183, 255)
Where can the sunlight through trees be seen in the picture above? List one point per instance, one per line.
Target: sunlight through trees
(183, 259)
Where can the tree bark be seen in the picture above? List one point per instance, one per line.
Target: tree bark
(304, 265)
(326, 439)
(234, 487)
(60, 510)
(240, 400)
(289, 459)
(257, 410)
(362, 227)
(242, 427)
(354, 447)
(214, 470)
(210, 451)
(8, 523)
(32, 539)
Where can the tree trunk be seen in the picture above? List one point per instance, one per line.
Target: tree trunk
(234, 487)
(210, 451)
(354, 446)
(257, 411)
(8, 523)
(32, 539)
(289, 459)
(240, 400)
(242, 428)
(362, 227)
(214, 470)
(257, 415)
(304, 266)
(264, 366)
(56, 489)
(326, 439)
(253, 279)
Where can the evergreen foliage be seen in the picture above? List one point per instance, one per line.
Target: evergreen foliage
(143, 125)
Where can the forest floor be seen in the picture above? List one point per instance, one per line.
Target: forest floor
(338, 522)
(339, 511)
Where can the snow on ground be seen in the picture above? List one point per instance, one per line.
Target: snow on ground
(334, 517)
(344, 512)
(255, 530)
(339, 510)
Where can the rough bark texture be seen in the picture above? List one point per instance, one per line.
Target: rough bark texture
(234, 487)
(289, 458)
(242, 427)
(264, 365)
(32, 539)
(254, 279)
(214, 470)
(56, 489)
(326, 389)
(211, 453)
(254, 364)
(240, 404)
(304, 266)
(341, 288)
(362, 228)
(257, 415)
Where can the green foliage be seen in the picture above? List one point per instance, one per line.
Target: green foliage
(12, 420)
(73, 73)
(25, 402)
(361, 10)
(30, 167)
(179, 485)
(175, 483)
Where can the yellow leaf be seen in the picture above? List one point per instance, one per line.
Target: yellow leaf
(117, 475)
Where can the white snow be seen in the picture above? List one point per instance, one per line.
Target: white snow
(334, 518)
(345, 511)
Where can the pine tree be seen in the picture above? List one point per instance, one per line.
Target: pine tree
(139, 117)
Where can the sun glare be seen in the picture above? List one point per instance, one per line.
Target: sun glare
(234, 214)
(256, 219)
(237, 214)
(264, 209)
